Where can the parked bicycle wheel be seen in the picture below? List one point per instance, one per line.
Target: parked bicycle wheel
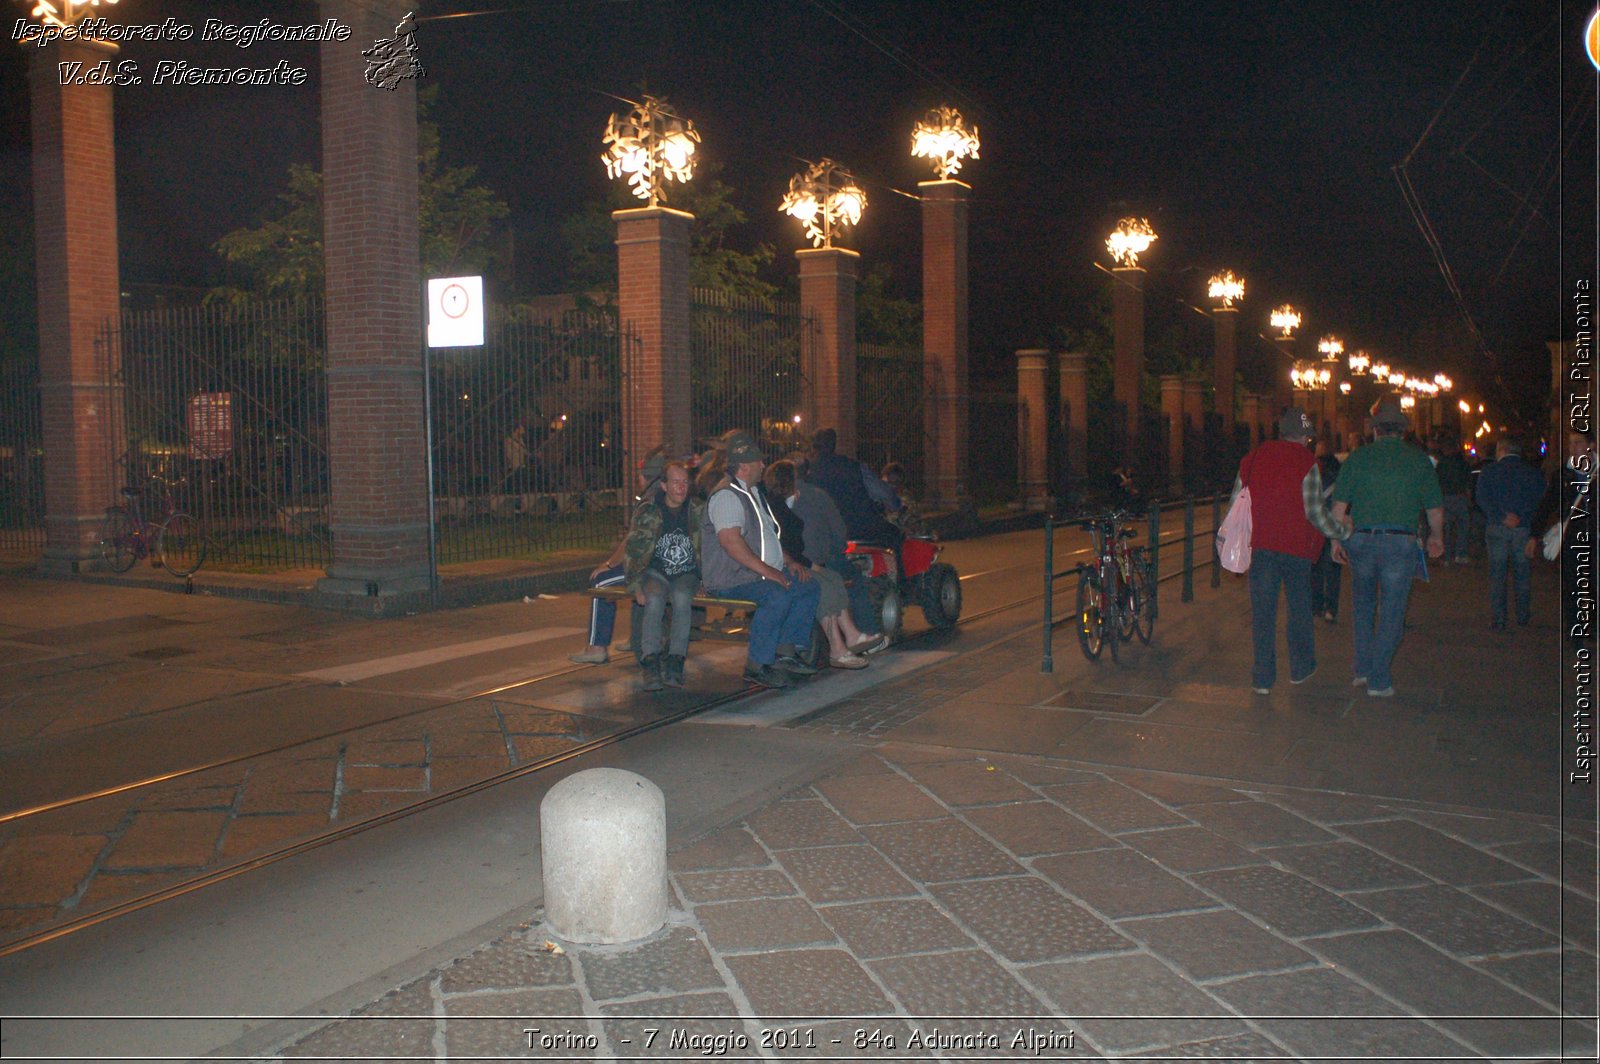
(1144, 597)
(119, 542)
(1090, 623)
(1127, 601)
(182, 545)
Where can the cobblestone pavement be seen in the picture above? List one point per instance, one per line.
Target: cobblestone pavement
(1139, 861)
(1095, 912)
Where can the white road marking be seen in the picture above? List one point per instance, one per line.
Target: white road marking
(825, 689)
(362, 670)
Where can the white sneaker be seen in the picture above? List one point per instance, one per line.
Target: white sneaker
(1359, 681)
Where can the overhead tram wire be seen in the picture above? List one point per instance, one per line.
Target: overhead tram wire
(900, 57)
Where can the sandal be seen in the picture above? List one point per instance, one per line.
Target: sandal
(848, 660)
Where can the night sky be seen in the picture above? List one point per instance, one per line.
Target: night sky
(1255, 136)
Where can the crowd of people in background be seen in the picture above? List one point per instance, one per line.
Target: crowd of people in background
(726, 523)
(1383, 510)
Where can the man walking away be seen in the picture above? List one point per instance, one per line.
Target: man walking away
(1508, 492)
(744, 559)
(1289, 518)
(1454, 484)
(1384, 486)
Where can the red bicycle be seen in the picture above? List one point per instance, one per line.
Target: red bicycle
(176, 541)
(1116, 593)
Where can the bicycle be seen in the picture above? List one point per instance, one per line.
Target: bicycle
(176, 542)
(1116, 598)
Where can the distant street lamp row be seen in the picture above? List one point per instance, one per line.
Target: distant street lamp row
(652, 146)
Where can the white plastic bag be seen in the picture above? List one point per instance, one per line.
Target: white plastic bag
(1552, 541)
(1233, 535)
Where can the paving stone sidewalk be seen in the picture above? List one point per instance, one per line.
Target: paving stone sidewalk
(945, 899)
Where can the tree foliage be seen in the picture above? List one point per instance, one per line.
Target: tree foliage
(714, 262)
(283, 255)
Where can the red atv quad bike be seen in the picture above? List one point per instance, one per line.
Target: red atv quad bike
(925, 581)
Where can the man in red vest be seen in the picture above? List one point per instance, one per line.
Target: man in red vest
(1289, 521)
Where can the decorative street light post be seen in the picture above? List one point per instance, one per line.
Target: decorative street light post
(650, 147)
(1131, 238)
(1225, 290)
(827, 201)
(1332, 351)
(1286, 320)
(944, 138)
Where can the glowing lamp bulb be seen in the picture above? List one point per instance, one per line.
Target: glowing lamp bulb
(1286, 318)
(1225, 288)
(943, 138)
(1344, 387)
(1132, 238)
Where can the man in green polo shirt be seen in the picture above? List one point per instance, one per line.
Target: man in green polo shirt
(1383, 487)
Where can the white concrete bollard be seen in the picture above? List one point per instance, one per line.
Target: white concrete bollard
(603, 844)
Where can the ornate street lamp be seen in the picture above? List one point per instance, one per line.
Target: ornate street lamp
(1345, 387)
(825, 198)
(1131, 238)
(1331, 347)
(1380, 371)
(1226, 289)
(63, 13)
(650, 145)
(1359, 361)
(1286, 319)
(1444, 382)
(944, 138)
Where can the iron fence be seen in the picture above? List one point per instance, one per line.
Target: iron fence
(21, 457)
(229, 402)
(527, 436)
(889, 409)
(745, 371)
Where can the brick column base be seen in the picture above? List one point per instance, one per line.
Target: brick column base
(653, 304)
(75, 237)
(944, 339)
(1033, 431)
(828, 361)
(1075, 420)
(378, 494)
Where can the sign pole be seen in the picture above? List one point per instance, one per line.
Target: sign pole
(427, 436)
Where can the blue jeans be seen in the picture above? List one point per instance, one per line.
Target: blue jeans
(1506, 545)
(783, 615)
(1457, 523)
(1381, 570)
(603, 612)
(658, 591)
(855, 587)
(1270, 569)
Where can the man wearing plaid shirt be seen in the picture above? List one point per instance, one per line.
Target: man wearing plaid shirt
(1289, 521)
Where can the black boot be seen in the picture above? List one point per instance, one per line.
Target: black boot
(651, 665)
(672, 670)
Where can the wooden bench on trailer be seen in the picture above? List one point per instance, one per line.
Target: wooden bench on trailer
(731, 622)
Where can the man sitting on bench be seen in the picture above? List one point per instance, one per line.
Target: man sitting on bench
(742, 558)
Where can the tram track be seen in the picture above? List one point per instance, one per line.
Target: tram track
(308, 844)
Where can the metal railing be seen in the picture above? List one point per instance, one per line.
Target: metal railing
(889, 409)
(1185, 572)
(21, 457)
(746, 355)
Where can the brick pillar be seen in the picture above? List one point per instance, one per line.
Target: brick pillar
(75, 238)
(944, 338)
(1282, 386)
(828, 360)
(653, 305)
(378, 495)
(1225, 362)
(1194, 416)
(1075, 419)
(1172, 414)
(1251, 415)
(1127, 311)
(1033, 430)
